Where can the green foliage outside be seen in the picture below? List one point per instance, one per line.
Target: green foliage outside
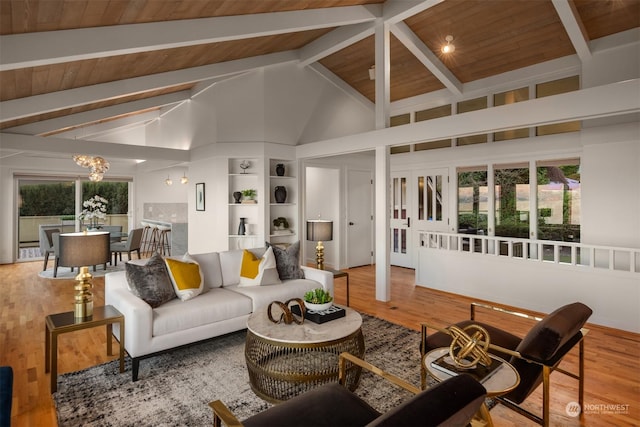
(511, 222)
(59, 198)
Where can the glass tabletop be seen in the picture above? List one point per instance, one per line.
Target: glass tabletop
(503, 380)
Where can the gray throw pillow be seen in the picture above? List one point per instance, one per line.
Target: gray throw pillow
(150, 282)
(287, 261)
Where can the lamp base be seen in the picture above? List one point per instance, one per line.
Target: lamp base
(83, 308)
(320, 256)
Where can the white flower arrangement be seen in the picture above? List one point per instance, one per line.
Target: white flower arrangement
(95, 208)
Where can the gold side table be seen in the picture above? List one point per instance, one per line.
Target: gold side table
(56, 324)
(337, 274)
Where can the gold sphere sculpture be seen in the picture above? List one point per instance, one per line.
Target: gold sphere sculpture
(469, 346)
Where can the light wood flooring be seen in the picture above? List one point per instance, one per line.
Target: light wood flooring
(612, 356)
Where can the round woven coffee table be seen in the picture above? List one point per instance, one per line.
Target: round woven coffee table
(286, 360)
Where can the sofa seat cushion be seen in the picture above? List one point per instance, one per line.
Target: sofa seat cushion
(263, 295)
(212, 306)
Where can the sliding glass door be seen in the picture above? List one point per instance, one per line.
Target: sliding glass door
(57, 202)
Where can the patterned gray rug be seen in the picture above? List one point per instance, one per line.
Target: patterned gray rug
(175, 388)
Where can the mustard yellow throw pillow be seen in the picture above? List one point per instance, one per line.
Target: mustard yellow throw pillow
(185, 276)
(256, 271)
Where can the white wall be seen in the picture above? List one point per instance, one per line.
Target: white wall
(150, 187)
(611, 186)
(613, 296)
(208, 228)
(322, 201)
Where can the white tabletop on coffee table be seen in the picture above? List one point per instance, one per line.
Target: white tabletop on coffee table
(307, 333)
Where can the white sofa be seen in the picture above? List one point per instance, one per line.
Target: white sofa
(223, 307)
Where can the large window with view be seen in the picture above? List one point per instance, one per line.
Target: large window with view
(557, 206)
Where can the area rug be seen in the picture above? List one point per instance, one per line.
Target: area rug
(66, 273)
(175, 388)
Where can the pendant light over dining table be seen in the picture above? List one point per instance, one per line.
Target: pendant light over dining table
(98, 165)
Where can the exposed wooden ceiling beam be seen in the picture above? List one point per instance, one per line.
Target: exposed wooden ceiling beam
(45, 48)
(575, 28)
(24, 107)
(426, 56)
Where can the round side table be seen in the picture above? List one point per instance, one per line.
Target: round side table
(286, 360)
(502, 380)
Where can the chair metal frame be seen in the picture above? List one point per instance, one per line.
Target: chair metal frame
(546, 369)
(222, 414)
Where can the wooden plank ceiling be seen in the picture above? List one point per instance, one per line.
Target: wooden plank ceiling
(491, 37)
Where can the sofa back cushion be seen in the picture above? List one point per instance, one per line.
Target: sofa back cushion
(230, 263)
(210, 266)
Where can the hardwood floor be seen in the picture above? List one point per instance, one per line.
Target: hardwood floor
(612, 371)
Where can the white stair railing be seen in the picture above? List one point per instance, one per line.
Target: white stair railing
(567, 253)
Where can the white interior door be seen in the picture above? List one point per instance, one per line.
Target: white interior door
(431, 188)
(359, 218)
(400, 222)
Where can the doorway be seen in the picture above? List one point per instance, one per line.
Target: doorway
(400, 221)
(359, 218)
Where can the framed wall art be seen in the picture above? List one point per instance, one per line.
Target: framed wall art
(200, 196)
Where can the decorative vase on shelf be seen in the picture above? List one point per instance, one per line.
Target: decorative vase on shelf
(237, 196)
(280, 169)
(241, 227)
(280, 194)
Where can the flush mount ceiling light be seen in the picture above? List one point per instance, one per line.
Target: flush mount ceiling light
(99, 166)
(168, 181)
(449, 47)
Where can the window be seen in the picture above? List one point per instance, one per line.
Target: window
(43, 202)
(556, 87)
(52, 201)
(511, 97)
(398, 149)
(402, 119)
(559, 200)
(473, 196)
(512, 201)
(472, 105)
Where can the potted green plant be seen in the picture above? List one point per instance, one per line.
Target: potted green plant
(249, 195)
(318, 300)
(280, 223)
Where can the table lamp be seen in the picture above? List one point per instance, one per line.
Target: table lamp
(319, 230)
(82, 250)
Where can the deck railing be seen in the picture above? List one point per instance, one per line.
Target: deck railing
(568, 253)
